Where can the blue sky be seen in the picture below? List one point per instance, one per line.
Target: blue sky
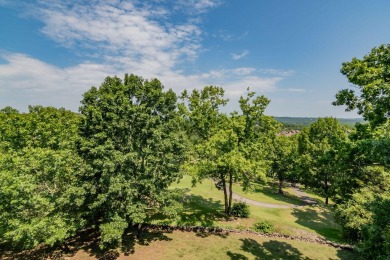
(290, 51)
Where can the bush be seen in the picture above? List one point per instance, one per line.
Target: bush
(264, 226)
(240, 210)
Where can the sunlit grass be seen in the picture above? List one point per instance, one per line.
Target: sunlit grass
(267, 194)
(204, 207)
(188, 245)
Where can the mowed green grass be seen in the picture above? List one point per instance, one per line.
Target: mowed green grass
(191, 245)
(266, 193)
(204, 206)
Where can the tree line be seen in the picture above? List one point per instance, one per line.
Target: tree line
(110, 166)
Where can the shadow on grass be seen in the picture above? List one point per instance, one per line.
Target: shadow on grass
(204, 234)
(271, 190)
(268, 250)
(200, 211)
(320, 219)
(88, 241)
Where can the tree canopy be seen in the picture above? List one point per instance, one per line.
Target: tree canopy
(131, 139)
(371, 76)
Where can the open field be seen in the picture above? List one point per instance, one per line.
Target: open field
(190, 245)
(204, 206)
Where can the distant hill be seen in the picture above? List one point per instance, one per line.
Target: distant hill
(298, 123)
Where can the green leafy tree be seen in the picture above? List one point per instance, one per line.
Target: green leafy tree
(371, 75)
(44, 127)
(40, 196)
(221, 160)
(284, 157)
(238, 150)
(319, 145)
(41, 193)
(201, 111)
(364, 216)
(9, 110)
(131, 138)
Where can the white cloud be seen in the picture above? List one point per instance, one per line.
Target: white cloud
(116, 30)
(296, 90)
(239, 56)
(36, 82)
(119, 37)
(277, 72)
(196, 6)
(257, 84)
(243, 71)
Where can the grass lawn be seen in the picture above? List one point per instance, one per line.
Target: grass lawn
(189, 245)
(265, 193)
(204, 206)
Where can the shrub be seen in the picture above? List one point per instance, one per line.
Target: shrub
(240, 209)
(264, 226)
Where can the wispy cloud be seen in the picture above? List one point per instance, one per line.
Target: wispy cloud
(121, 33)
(49, 85)
(296, 90)
(243, 71)
(238, 56)
(116, 37)
(196, 6)
(36, 82)
(229, 37)
(277, 72)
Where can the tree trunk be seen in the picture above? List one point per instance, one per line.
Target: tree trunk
(280, 186)
(225, 194)
(230, 192)
(139, 230)
(326, 191)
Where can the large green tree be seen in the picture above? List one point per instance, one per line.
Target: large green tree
(41, 193)
(318, 146)
(201, 112)
(131, 138)
(371, 76)
(283, 160)
(221, 160)
(235, 146)
(364, 217)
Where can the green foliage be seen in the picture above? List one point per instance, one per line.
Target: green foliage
(240, 210)
(299, 123)
(283, 160)
(111, 232)
(371, 75)
(44, 127)
(131, 139)
(364, 217)
(201, 112)
(264, 226)
(319, 147)
(41, 194)
(232, 147)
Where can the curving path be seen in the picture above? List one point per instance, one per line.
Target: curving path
(261, 204)
(306, 199)
(304, 196)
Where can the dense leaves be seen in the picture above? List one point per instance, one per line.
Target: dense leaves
(233, 147)
(41, 193)
(131, 138)
(372, 77)
(283, 160)
(319, 146)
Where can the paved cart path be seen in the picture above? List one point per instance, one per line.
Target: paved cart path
(306, 199)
